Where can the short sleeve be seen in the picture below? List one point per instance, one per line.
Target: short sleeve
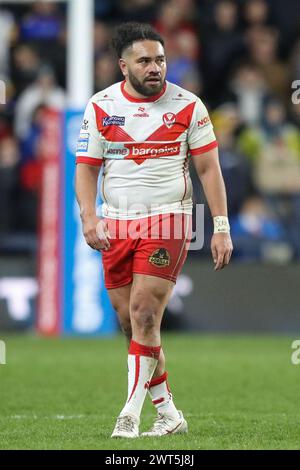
(89, 140)
(201, 137)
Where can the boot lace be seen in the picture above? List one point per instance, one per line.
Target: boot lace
(161, 422)
(125, 423)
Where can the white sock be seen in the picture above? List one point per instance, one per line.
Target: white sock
(142, 361)
(161, 396)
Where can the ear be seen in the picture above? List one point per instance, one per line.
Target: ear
(123, 67)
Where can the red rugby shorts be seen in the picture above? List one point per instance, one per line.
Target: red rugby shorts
(155, 245)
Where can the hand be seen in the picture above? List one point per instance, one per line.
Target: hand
(96, 233)
(221, 248)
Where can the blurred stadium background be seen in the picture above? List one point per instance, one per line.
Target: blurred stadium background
(243, 59)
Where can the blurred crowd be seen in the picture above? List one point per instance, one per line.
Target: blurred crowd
(241, 57)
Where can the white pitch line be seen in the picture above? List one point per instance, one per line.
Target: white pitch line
(70, 417)
(58, 417)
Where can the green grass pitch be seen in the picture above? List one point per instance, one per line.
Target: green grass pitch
(237, 392)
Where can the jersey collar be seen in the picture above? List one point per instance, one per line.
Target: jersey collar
(141, 100)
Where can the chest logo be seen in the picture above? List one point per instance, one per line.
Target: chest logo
(113, 121)
(169, 119)
(141, 112)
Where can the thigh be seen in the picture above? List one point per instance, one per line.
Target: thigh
(148, 299)
(120, 298)
(118, 259)
(150, 292)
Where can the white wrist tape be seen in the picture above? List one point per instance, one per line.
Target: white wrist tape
(221, 224)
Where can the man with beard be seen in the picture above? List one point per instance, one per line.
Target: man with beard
(143, 131)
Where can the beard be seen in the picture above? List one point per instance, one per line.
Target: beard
(145, 88)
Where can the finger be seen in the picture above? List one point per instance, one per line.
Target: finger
(94, 242)
(102, 229)
(228, 256)
(103, 235)
(99, 238)
(104, 241)
(96, 245)
(214, 253)
(108, 235)
(102, 244)
(220, 261)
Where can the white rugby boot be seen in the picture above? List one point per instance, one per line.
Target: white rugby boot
(127, 426)
(166, 424)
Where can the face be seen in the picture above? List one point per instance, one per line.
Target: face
(144, 65)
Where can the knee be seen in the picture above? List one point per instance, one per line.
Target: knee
(144, 317)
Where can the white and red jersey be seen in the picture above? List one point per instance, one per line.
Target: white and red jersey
(144, 146)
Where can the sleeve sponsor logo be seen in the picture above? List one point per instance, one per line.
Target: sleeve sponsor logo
(203, 122)
(113, 121)
(85, 125)
(83, 143)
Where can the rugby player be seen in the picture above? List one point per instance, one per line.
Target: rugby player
(143, 132)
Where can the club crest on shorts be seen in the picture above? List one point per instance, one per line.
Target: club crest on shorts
(169, 119)
(160, 258)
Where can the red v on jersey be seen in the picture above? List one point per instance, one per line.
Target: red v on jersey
(114, 133)
(146, 160)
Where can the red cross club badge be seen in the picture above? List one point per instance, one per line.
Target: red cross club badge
(169, 119)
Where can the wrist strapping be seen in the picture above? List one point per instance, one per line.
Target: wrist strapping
(221, 224)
